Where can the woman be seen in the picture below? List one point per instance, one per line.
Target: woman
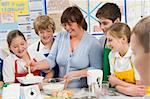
(74, 50)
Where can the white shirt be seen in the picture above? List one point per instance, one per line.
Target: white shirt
(9, 65)
(3, 54)
(38, 47)
(122, 63)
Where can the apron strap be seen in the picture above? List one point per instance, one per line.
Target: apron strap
(131, 63)
(16, 67)
(106, 65)
(114, 60)
(38, 47)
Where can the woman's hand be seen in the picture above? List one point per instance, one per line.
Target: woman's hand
(68, 77)
(73, 75)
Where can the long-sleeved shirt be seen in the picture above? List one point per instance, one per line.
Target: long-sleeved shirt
(88, 54)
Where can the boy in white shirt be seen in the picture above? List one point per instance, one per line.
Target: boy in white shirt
(140, 41)
(44, 27)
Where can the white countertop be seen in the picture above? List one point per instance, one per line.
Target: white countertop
(84, 94)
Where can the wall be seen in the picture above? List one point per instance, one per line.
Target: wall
(27, 10)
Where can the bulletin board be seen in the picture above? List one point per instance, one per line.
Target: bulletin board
(20, 14)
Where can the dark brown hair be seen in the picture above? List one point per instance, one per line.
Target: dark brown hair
(119, 30)
(44, 22)
(73, 14)
(109, 11)
(13, 34)
(142, 31)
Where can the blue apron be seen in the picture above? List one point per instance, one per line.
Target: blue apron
(1, 66)
(55, 68)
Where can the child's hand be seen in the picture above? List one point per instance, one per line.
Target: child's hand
(113, 80)
(136, 90)
(1, 84)
(33, 65)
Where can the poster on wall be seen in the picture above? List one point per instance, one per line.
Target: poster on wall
(55, 9)
(9, 11)
(87, 7)
(19, 14)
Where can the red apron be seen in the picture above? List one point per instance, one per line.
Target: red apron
(36, 73)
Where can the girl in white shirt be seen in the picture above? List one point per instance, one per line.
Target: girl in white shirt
(15, 63)
(123, 73)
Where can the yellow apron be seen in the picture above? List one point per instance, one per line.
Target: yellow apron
(127, 76)
(148, 90)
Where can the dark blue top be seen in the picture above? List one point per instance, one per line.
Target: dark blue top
(1, 66)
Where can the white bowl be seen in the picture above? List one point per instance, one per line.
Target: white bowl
(30, 80)
(48, 88)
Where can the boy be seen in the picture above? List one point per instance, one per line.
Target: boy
(44, 27)
(108, 14)
(140, 40)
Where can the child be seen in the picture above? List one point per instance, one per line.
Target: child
(3, 54)
(123, 73)
(44, 27)
(140, 41)
(14, 64)
(108, 14)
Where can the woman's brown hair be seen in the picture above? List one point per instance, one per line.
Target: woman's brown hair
(73, 14)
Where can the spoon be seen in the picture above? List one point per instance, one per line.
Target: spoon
(29, 72)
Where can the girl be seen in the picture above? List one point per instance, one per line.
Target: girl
(123, 73)
(14, 64)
